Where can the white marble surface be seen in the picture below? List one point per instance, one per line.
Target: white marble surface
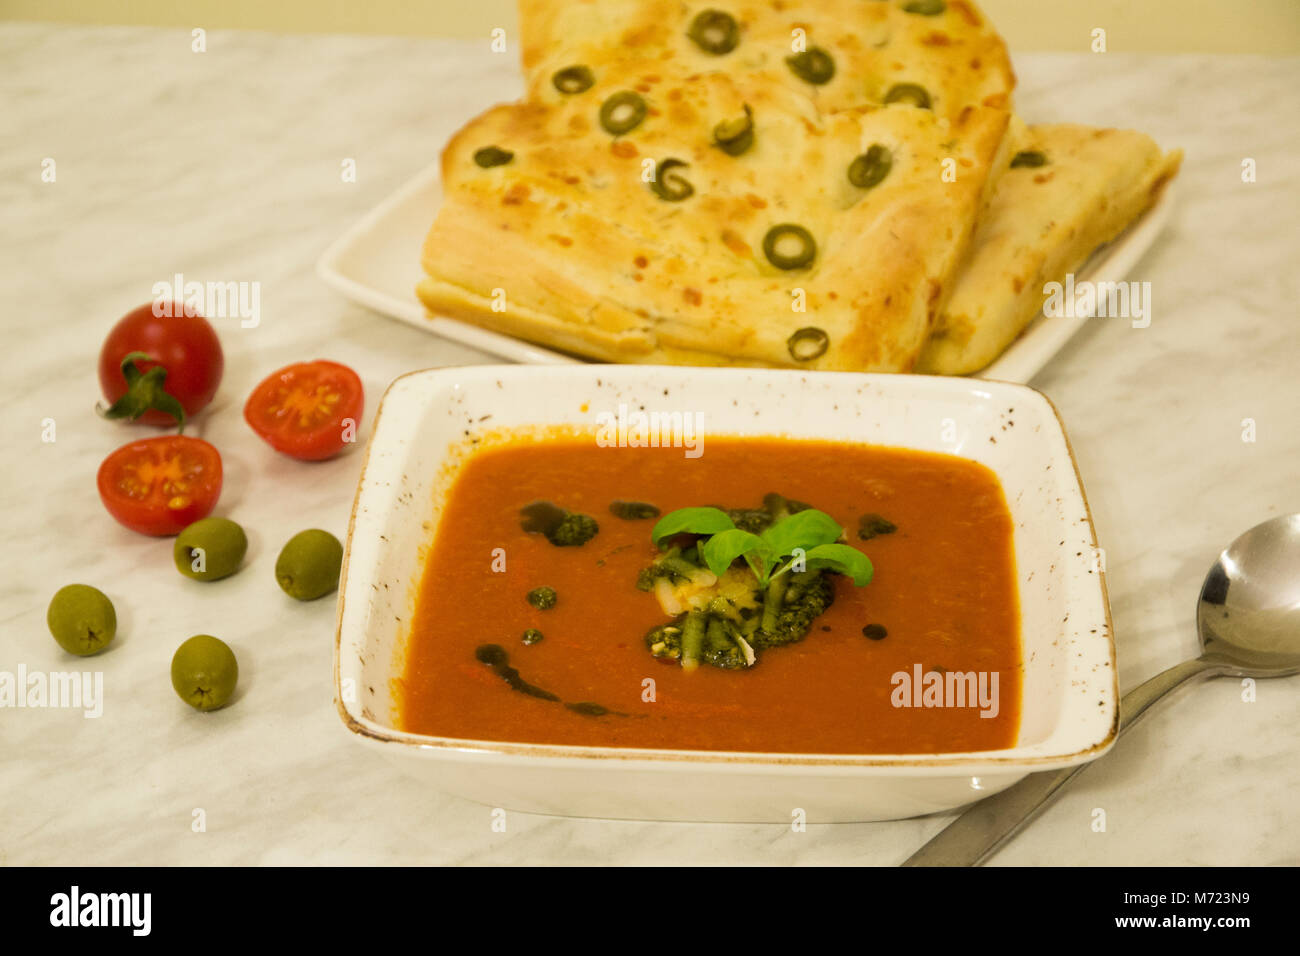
(225, 165)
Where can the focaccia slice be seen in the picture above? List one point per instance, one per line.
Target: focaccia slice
(947, 49)
(1044, 221)
(569, 246)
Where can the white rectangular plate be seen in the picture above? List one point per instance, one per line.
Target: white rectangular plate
(376, 263)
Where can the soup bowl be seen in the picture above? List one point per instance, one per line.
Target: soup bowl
(1069, 694)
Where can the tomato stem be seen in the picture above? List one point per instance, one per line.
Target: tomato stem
(144, 390)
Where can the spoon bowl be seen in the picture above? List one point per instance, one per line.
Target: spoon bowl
(1248, 614)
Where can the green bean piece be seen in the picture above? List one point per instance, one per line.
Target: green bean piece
(871, 167)
(490, 156)
(714, 31)
(532, 636)
(772, 602)
(911, 93)
(573, 79)
(668, 185)
(1028, 157)
(693, 630)
(777, 235)
(622, 112)
(735, 136)
(925, 8)
(814, 65)
(808, 343)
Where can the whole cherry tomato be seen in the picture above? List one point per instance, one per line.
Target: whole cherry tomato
(185, 346)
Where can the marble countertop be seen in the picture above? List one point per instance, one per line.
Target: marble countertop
(225, 165)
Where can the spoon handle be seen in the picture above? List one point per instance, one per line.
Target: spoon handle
(983, 828)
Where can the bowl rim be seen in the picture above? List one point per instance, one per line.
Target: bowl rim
(375, 733)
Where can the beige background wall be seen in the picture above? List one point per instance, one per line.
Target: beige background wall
(1163, 26)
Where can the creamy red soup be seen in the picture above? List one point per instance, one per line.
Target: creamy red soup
(923, 659)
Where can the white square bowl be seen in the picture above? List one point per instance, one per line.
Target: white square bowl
(1069, 708)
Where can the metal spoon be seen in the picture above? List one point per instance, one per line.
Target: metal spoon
(1248, 619)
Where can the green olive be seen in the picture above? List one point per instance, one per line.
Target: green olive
(871, 167)
(807, 344)
(777, 241)
(532, 636)
(82, 619)
(814, 65)
(925, 8)
(1028, 157)
(573, 79)
(734, 136)
(490, 156)
(308, 566)
(204, 672)
(908, 93)
(668, 185)
(622, 112)
(210, 549)
(714, 31)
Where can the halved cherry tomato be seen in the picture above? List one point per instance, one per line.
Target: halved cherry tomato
(161, 485)
(310, 410)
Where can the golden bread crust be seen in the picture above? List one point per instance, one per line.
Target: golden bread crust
(956, 55)
(1043, 222)
(588, 259)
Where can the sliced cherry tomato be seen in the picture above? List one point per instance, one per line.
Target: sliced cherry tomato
(310, 410)
(186, 346)
(161, 485)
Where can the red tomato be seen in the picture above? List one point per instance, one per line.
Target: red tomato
(309, 410)
(185, 345)
(161, 485)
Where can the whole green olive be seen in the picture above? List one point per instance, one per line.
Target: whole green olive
(309, 564)
(82, 619)
(204, 672)
(210, 549)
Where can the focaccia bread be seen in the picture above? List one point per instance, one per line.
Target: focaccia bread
(1072, 189)
(557, 230)
(842, 53)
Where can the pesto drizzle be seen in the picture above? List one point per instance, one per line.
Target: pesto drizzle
(495, 657)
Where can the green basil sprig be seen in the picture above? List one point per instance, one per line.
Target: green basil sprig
(803, 540)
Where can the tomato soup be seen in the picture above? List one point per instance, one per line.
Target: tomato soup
(923, 659)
